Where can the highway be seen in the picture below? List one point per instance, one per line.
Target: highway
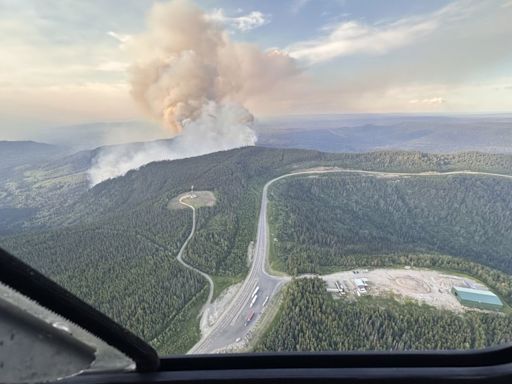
(232, 326)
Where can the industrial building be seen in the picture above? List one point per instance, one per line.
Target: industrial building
(477, 298)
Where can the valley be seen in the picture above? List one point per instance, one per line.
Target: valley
(117, 244)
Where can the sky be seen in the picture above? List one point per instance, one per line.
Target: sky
(67, 62)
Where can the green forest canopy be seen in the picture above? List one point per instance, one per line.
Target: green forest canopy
(115, 244)
(311, 320)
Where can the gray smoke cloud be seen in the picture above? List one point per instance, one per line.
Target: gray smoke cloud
(192, 79)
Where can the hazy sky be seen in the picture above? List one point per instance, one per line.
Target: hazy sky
(65, 62)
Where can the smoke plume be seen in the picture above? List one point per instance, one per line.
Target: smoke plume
(193, 80)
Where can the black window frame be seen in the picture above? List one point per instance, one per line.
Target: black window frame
(472, 366)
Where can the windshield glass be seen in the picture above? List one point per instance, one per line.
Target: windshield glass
(40, 346)
(267, 176)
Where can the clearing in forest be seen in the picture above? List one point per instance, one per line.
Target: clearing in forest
(197, 199)
(426, 286)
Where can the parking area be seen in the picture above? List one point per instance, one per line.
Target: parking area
(426, 286)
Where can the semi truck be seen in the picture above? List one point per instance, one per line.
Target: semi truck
(249, 318)
(253, 301)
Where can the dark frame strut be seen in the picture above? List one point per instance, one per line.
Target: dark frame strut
(475, 366)
(33, 284)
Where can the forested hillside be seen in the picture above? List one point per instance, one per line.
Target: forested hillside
(19, 153)
(116, 244)
(39, 193)
(56, 190)
(310, 320)
(356, 220)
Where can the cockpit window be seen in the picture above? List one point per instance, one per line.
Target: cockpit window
(37, 345)
(259, 177)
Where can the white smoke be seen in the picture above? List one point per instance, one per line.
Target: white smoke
(219, 127)
(191, 78)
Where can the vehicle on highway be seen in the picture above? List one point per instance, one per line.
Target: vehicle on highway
(249, 318)
(253, 301)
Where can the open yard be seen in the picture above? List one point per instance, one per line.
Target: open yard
(426, 286)
(197, 199)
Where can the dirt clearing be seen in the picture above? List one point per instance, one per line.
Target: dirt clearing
(423, 285)
(213, 312)
(197, 199)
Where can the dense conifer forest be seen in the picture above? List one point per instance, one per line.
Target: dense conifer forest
(115, 244)
(311, 320)
(349, 220)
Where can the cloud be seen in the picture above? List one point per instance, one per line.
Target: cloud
(68, 104)
(354, 37)
(113, 66)
(439, 60)
(298, 5)
(59, 67)
(122, 38)
(430, 101)
(244, 23)
(41, 52)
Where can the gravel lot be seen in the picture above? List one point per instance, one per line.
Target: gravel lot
(426, 286)
(200, 199)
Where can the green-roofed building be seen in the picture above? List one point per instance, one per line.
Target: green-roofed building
(477, 298)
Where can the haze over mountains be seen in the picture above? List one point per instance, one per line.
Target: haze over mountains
(108, 153)
(362, 133)
(336, 133)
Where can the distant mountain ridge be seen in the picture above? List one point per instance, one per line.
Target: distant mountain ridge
(328, 133)
(18, 153)
(349, 133)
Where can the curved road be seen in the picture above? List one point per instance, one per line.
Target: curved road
(182, 249)
(232, 326)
